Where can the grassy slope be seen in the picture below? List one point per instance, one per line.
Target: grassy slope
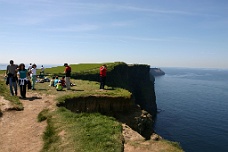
(67, 131)
(81, 132)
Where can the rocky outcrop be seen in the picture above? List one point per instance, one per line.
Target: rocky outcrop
(136, 78)
(156, 72)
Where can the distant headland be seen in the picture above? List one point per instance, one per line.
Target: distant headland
(156, 72)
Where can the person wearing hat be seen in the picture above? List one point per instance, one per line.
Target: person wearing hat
(67, 72)
(11, 71)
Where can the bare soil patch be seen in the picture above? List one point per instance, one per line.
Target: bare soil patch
(19, 130)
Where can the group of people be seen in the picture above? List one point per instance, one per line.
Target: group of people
(64, 81)
(19, 74)
(59, 84)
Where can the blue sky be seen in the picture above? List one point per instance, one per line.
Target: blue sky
(161, 33)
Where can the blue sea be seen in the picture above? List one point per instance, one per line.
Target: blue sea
(193, 108)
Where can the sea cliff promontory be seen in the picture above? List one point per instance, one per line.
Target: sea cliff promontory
(136, 78)
(157, 72)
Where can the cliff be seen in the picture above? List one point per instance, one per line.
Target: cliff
(135, 78)
(156, 72)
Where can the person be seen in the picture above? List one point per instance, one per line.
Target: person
(103, 71)
(42, 71)
(56, 81)
(22, 77)
(67, 72)
(59, 86)
(63, 81)
(30, 67)
(11, 77)
(33, 76)
(52, 82)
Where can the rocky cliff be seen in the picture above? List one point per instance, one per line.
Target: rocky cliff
(136, 78)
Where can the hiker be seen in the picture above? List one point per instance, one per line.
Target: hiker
(33, 76)
(42, 72)
(10, 73)
(67, 72)
(30, 67)
(22, 77)
(103, 70)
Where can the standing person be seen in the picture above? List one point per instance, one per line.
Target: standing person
(30, 67)
(67, 72)
(22, 76)
(33, 76)
(103, 71)
(42, 71)
(11, 77)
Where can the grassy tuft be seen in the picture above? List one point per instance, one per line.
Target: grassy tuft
(43, 115)
(49, 136)
(5, 92)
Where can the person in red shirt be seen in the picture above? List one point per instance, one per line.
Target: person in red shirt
(103, 71)
(67, 72)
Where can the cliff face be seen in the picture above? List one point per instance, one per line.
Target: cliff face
(135, 78)
(157, 72)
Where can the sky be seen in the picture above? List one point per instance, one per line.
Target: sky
(160, 33)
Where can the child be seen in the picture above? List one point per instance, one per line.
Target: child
(63, 81)
(52, 82)
(59, 86)
(56, 81)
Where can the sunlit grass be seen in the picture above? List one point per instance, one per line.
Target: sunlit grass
(69, 131)
(5, 92)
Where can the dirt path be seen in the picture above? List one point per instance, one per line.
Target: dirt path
(19, 130)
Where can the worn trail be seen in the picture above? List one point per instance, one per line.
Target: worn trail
(19, 130)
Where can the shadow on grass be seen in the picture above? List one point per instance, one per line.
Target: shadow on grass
(76, 90)
(42, 89)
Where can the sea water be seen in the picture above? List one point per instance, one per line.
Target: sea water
(193, 108)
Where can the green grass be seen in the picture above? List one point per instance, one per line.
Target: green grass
(43, 115)
(5, 92)
(79, 68)
(82, 89)
(67, 131)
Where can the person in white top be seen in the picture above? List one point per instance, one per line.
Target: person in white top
(30, 67)
(33, 76)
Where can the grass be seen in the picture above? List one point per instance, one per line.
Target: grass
(79, 68)
(81, 132)
(67, 131)
(43, 115)
(82, 89)
(5, 92)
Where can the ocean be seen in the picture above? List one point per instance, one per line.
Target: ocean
(193, 108)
